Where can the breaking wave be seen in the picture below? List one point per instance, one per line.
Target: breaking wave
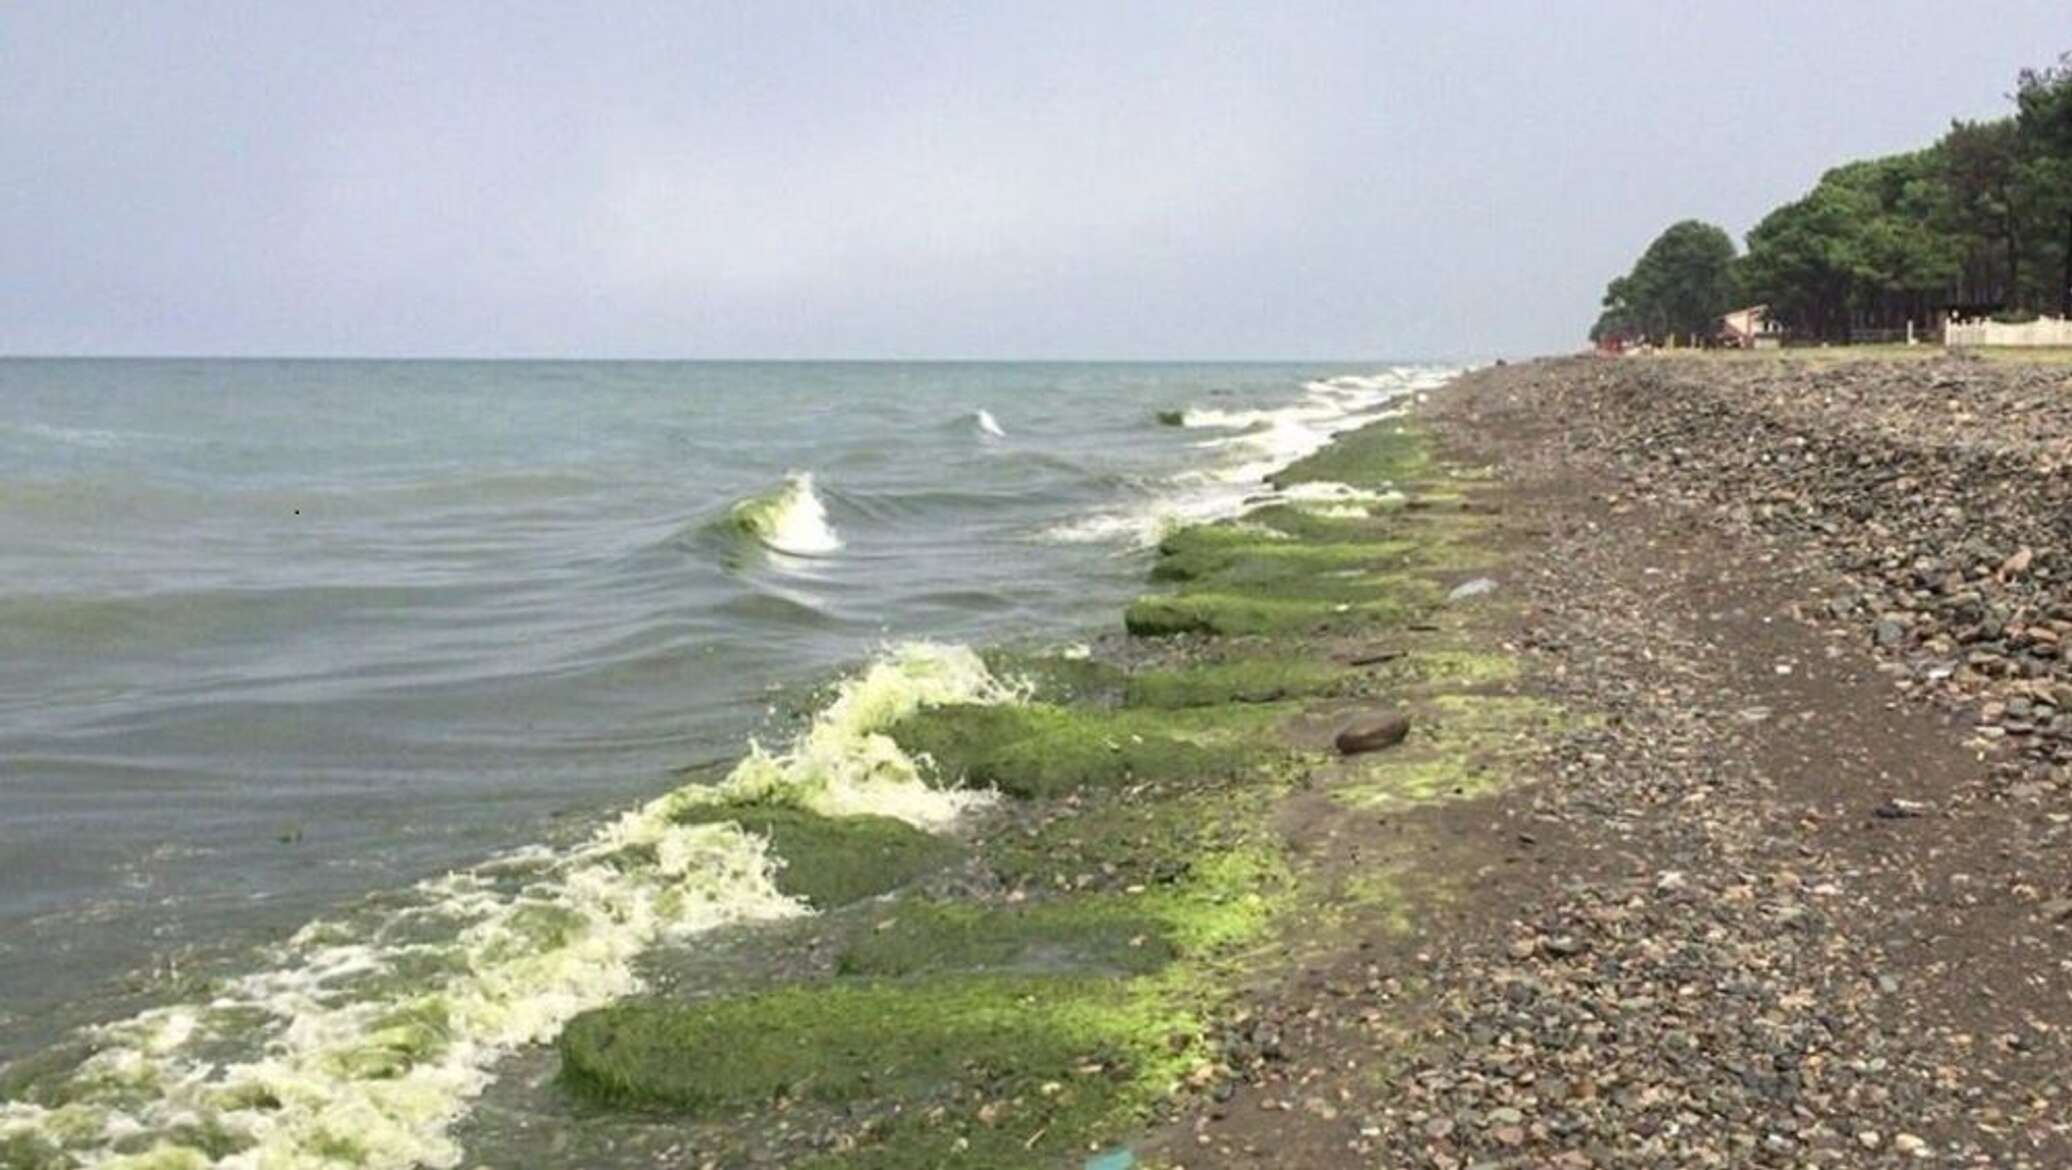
(988, 425)
(1258, 443)
(368, 1036)
(790, 519)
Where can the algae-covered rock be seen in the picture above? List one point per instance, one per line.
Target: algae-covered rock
(830, 861)
(1381, 454)
(1244, 680)
(1037, 750)
(1056, 678)
(1082, 934)
(840, 1041)
(1232, 614)
(1204, 552)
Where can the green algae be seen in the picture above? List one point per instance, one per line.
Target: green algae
(1240, 552)
(832, 861)
(1211, 843)
(1461, 668)
(1229, 614)
(1057, 678)
(1245, 680)
(1381, 454)
(847, 1039)
(1472, 747)
(1303, 524)
(1093, 933)
(1039, 750)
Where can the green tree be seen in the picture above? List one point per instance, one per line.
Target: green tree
(1807, 257)
(1677, 288)
(1984, 196)
(2043, 120)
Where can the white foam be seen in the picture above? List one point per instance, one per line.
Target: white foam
(366, 1064)
(791, 519)
(1260, 442)
(988, 425)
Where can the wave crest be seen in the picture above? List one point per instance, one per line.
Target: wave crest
(790, 519)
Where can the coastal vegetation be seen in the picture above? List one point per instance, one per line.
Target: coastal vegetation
(1978, 222)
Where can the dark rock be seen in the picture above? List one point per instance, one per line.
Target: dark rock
(1371, 735)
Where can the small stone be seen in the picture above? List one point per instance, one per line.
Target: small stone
(1898, 809)
(1910, 1145)
(1890, 633)
(1439, 1128)
(1372, 735)
(1868, 1139)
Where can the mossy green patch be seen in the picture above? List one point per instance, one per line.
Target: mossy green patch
(1057, 678)
(1460, 668)
(1214, 844)
(1468, 747)
(1381, 454)
(1391, 601)
(1098, 933)
(1006, 1071)
(1037, 750)
(1231, 552)
(831, 861)
(1305, 524)
(1243, 680)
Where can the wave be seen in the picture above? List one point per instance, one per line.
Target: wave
(1258, 443)
(988, 425)
(366, 1038)
(92, 438)
(790, 519)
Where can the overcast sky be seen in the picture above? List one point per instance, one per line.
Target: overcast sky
(882, 179)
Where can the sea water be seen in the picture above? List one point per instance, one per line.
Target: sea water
(343, 704)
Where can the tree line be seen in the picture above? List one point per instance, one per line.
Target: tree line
(1978, 223)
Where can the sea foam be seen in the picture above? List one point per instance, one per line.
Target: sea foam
(789, 519)
(1249, 445)
(375, 1034)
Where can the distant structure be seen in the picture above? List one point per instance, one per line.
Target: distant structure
(1750, 328)
(2050, 331)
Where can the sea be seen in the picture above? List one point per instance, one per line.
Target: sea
(345, 705)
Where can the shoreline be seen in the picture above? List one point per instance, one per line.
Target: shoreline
(1684, 863)
(1169, 802)
(1728, 828)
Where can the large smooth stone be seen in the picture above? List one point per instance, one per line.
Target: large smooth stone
(1372, 735)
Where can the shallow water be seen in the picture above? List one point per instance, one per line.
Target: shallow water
(280, 636)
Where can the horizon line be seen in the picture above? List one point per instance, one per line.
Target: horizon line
(304, 357)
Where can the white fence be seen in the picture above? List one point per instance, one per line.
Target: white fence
(2041, 331)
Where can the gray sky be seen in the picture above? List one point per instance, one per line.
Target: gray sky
(1036, 179)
